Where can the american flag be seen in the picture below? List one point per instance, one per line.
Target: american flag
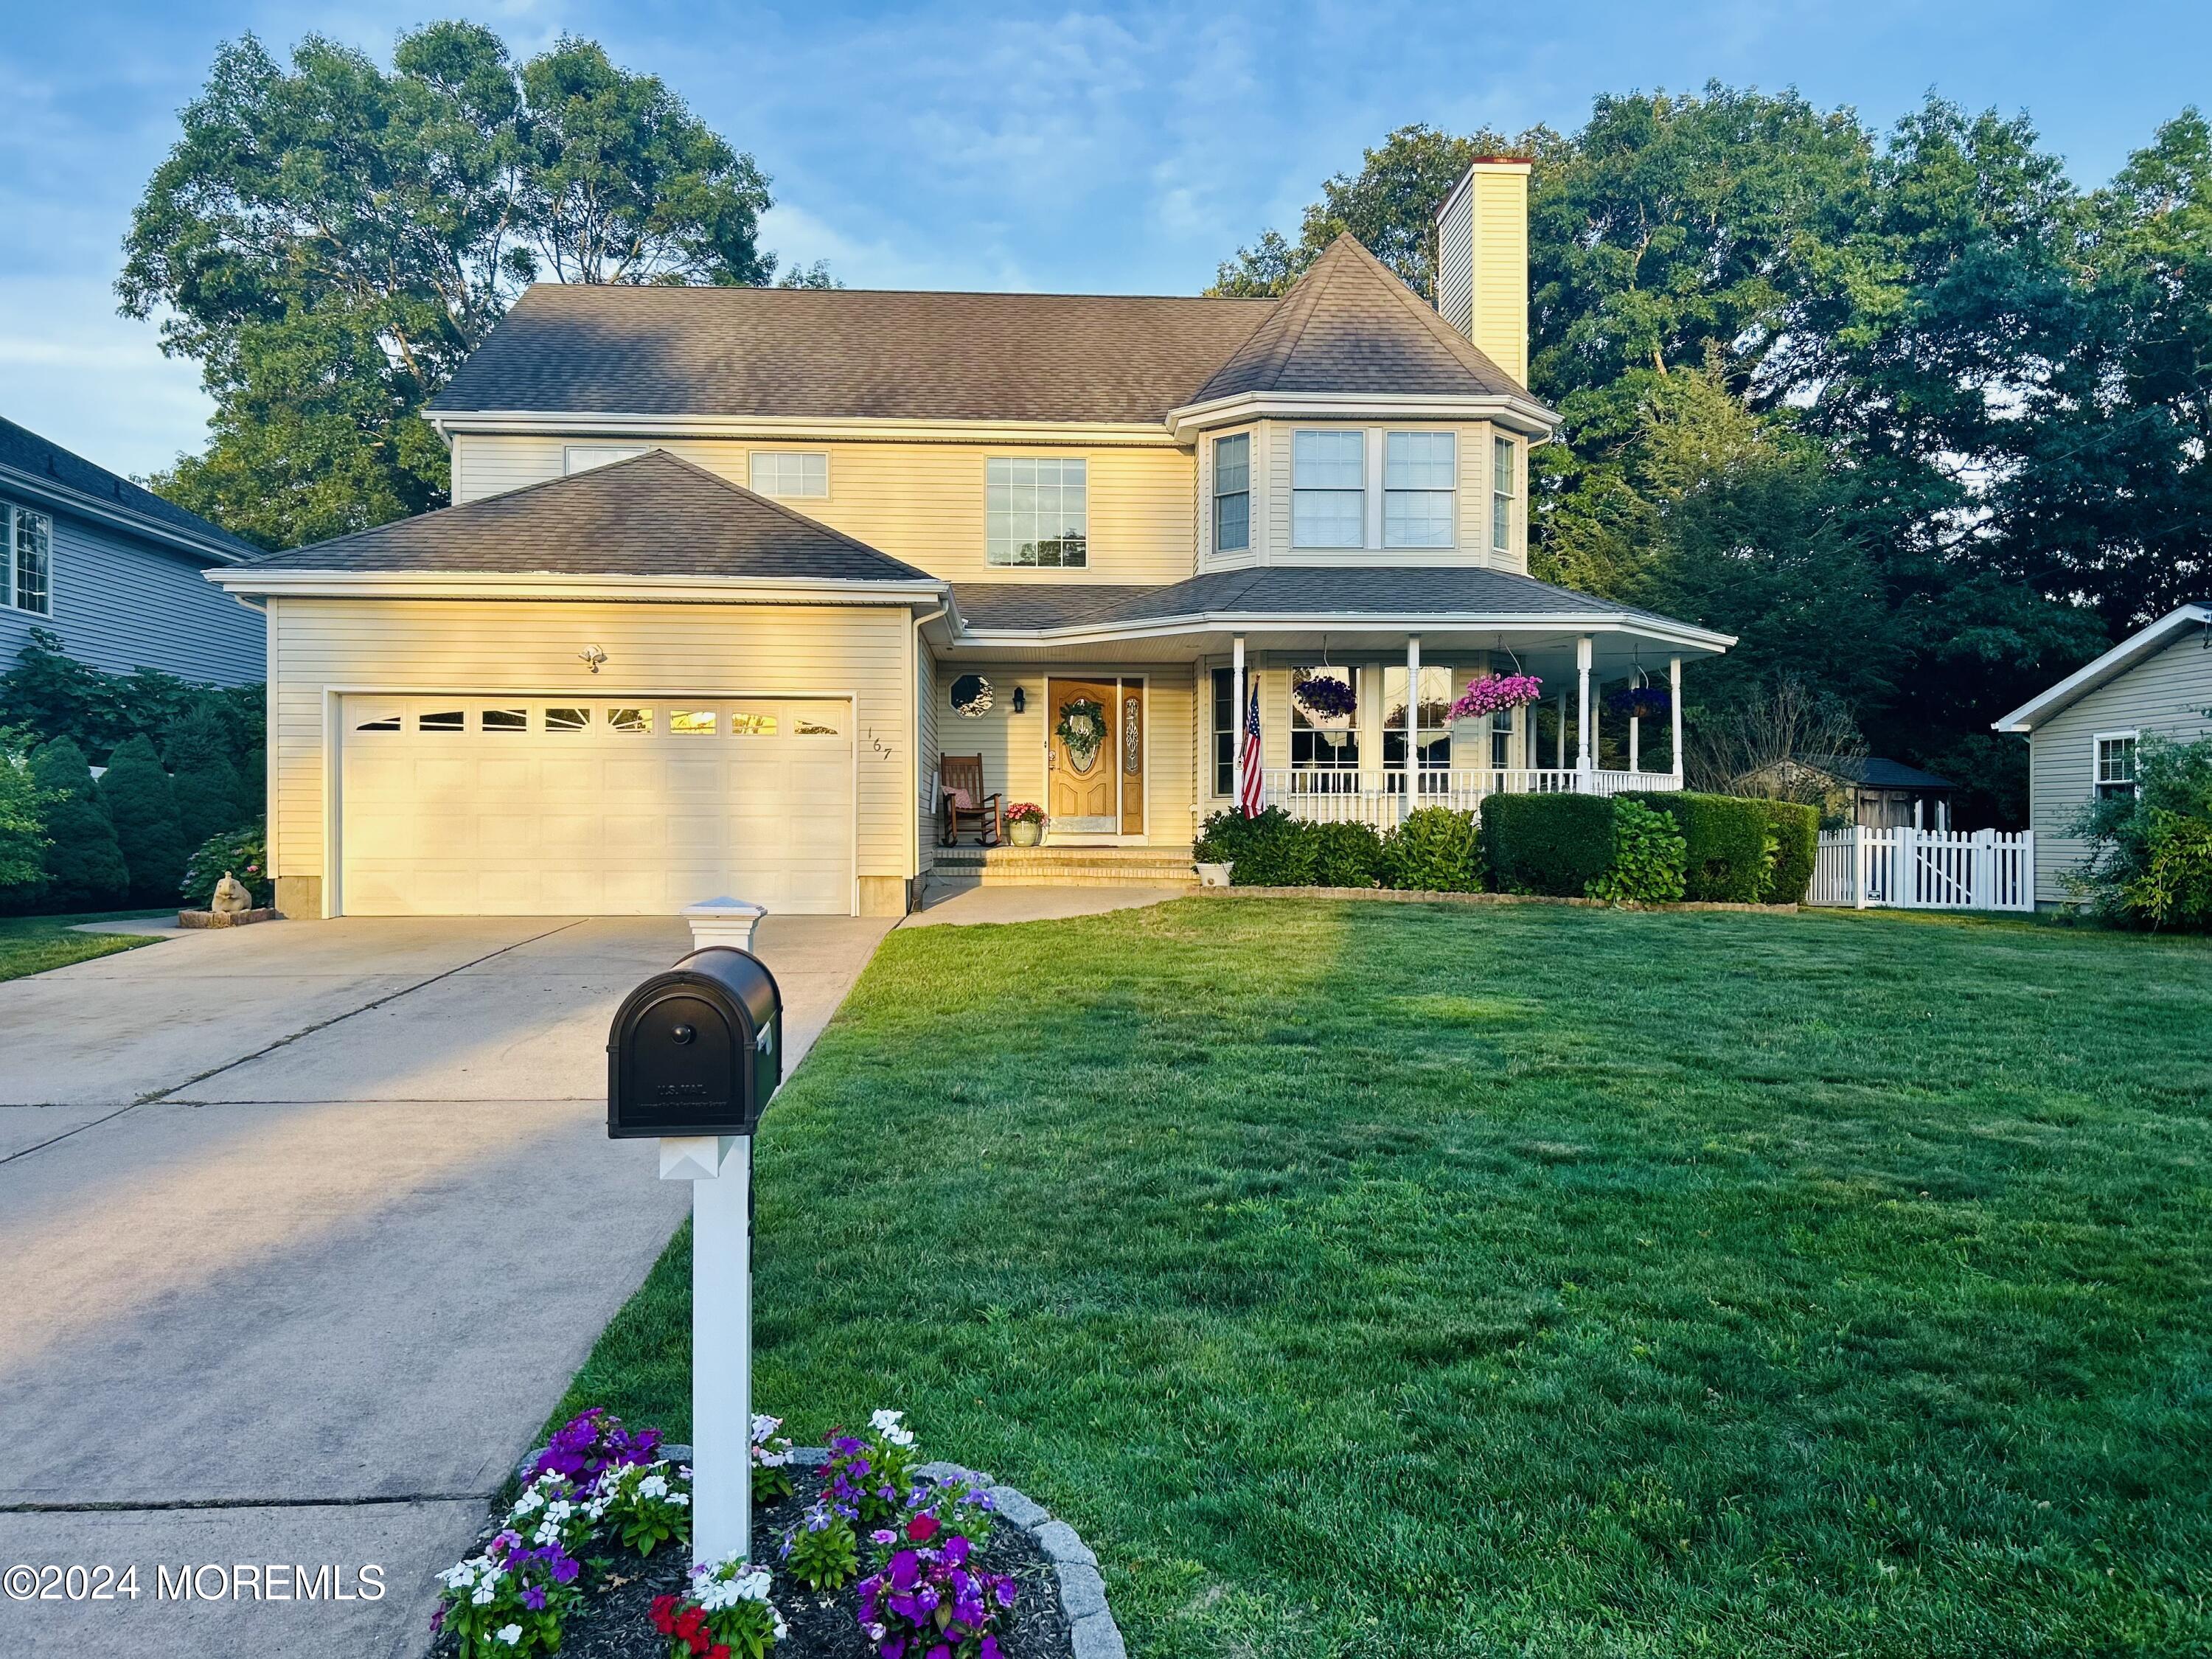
(1251, 801)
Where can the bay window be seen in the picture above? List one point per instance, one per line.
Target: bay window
(1232, 493)
(1503, 476)
(1419, 481)
(1329, 489)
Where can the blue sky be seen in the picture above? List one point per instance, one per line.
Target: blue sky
(1121, 148)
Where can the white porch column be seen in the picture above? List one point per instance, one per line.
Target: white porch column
(1412, 719)
(1674, 704)
(1559, 758)
(1236, 721)
(1583, 732)
(1635, 756)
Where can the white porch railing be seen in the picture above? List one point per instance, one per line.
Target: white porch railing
(1908, 869)
(1380, 799)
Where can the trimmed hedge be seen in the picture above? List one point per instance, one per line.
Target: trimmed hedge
(1554, 844)
(1796, 831)
(1435, 850)
(1725, 843)
(1647, 858)
(1272, 850)
(1346, 855)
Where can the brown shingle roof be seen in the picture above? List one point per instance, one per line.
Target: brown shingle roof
(651, 515)
(1348, 325)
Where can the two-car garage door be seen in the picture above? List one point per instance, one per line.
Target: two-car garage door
(522, 807)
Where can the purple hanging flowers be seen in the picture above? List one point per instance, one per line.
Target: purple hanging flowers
(1494, 693)
(1325, 696)
(1640, 702)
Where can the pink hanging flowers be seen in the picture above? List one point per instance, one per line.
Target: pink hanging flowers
(1493, 692)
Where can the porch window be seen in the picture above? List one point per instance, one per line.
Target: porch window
(1329, 489)
(30, 539)
(1326, 745)
(1037, 512)
(1431, 730)
(1504, 474)
(1419, 472)
(1225, 732)
(1232, 494)
(1501, 740)
(2116, 763)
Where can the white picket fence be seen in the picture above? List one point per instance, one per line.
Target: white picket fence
(1907, 869)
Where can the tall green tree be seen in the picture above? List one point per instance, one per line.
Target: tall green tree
(84, 864)
(210, 798)
(23, 841)
(329, 240)
(142, 807)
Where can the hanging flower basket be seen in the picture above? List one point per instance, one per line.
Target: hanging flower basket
(1640, 702)
(1325, 697)
(1494, 692)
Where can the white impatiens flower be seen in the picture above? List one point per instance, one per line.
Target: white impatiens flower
(765, 1426)
(510, 1634)
(653, 1485)
(886, 1424)
(482, 1595)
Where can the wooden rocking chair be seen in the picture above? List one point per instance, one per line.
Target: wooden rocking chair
(960, 786)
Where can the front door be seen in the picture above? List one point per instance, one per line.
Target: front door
(1084, 758)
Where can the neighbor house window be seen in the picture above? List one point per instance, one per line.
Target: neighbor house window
(1226, 731)
(1329, 489)
(1037, 512)
(2116, 763)
(1419, 477)
(31, 538)
(582, 458)
(1232, 494)
(791, 472)
(1503, 473)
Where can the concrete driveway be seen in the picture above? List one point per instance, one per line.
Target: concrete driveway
(303, 1228)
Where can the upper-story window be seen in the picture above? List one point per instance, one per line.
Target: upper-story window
(30, 541)
(1420, 477)
(1504, 474)
(1329, 489)
(582, 458)
(1037, 512)
(804, 474)
(1232, 494)
(2116, 763)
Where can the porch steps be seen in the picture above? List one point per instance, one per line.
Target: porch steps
(1061, 866)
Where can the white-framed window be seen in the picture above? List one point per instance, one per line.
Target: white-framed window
(1232, 493)
(1431, 717)
(1036, 511)
(798, 474)
(1420, 480)
(1329, 489)
(2114, 757)
(1501, 739)
(582, 458)
(1504, 480)
(30, 543)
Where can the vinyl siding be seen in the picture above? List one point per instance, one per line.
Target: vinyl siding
(922, 502)
(1013, 745)
(2166, 695)
(926, 681)
(121, 602)
(531, 647)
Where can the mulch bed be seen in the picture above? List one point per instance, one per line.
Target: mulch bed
(612, 1623)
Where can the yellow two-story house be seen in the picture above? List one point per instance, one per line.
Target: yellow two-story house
(730, 573)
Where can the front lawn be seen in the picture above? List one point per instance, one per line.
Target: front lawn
(31, 945)
(1383, 1279)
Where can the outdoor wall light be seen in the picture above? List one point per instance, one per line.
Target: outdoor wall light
(1021, 701)
(591, 656)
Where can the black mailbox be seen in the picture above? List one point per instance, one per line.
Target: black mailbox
(696, 1050)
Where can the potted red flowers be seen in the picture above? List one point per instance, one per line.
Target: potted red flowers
(1024, 823)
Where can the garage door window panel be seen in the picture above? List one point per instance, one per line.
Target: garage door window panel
(380, 722)
(692, 723)
(506, 719)
(568, 720)
(635, 721)
(442, 720)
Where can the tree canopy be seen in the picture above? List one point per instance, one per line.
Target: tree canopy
(1922, 422)
(330, 238)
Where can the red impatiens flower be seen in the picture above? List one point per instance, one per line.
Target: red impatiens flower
(662, 1614)
(921, 1529)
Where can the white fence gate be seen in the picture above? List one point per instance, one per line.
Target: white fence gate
(1906, 869)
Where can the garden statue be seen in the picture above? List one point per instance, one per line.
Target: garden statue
(231, 898)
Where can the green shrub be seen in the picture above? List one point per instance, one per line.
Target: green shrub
(52, 696)
(1550, 844)
(143, 807)
(1272, 850)
(1797, 832)
(85, 869)
(2138, 870)
(2175, 889)
(209, 797)
(1728, 844)
(243, 853)
(23, 807)
(1648, 857)
(1435, 850)
(1346, 855)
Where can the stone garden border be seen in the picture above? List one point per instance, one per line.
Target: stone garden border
(1092, 1633)
(1404, 896)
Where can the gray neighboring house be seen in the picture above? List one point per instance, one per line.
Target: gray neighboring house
(2083, 731)
(115, 571)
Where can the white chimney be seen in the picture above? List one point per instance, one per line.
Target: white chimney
(1482, 260)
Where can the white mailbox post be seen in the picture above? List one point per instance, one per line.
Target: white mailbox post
(693, 1058)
